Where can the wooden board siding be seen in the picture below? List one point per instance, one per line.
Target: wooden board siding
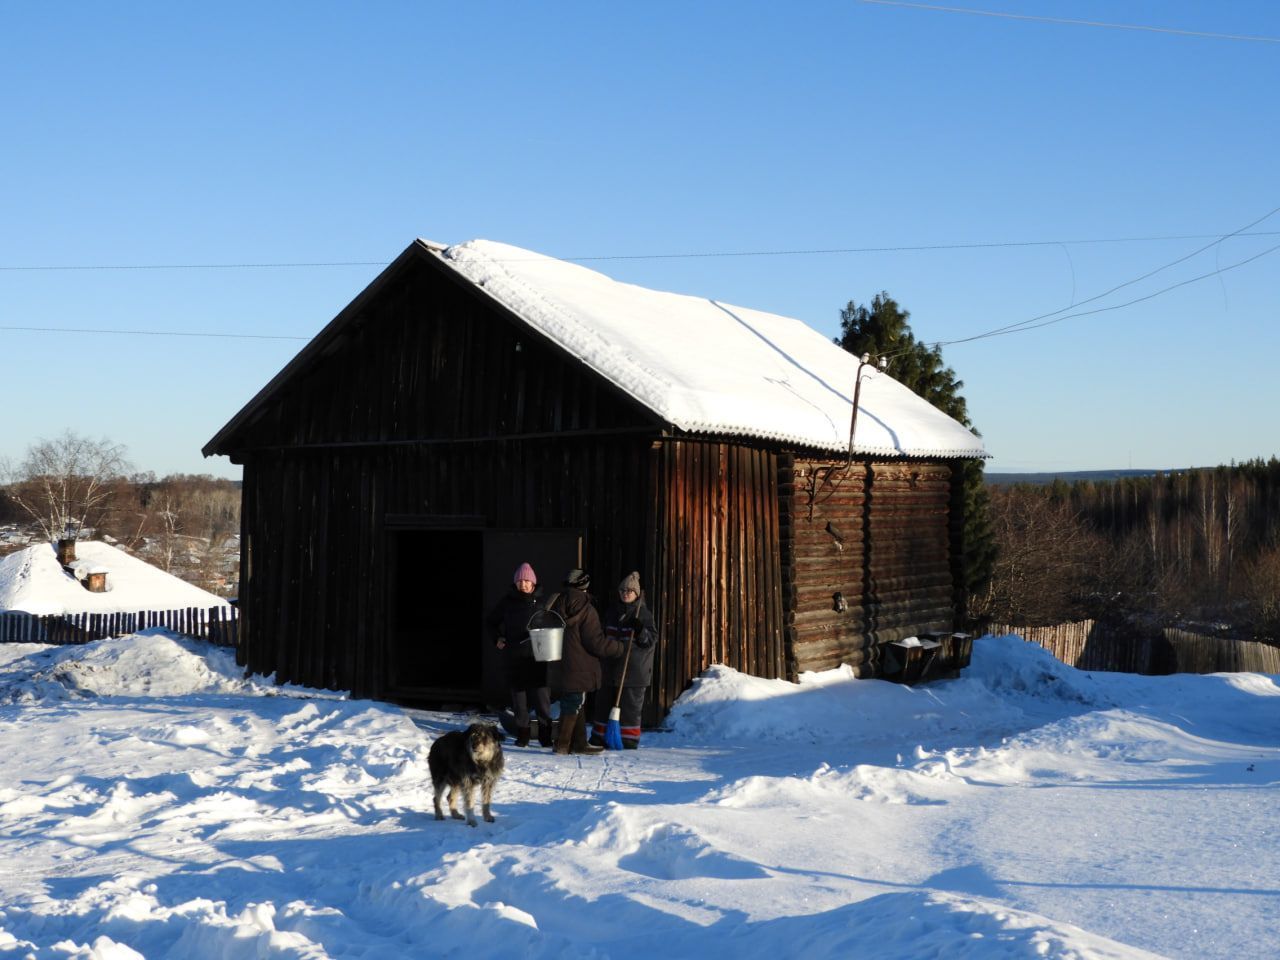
(315, 567)
(427, 360)
(716, 538)
(879, 534)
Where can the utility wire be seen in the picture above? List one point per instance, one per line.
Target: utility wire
(156, 333)
(1033, 323)
(695, 255)
(194, 266)
(1021, 326)
(1077, 23)
(1118, 306)
(1050, 318)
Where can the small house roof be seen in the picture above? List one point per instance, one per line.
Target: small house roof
(707, 366)
(33, 581)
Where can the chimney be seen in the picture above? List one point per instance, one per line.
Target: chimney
(96, 581)
(67, 551)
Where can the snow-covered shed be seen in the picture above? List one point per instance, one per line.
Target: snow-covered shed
(99, 591)
(480, 405)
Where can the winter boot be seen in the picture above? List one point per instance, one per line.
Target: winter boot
(544, 732)
(564, 732)
(522, 736)
(597, 734)
(579, 743)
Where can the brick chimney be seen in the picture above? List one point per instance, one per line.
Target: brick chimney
(67, 551)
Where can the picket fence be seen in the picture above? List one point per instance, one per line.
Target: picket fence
(1090, 645)
(218, 625)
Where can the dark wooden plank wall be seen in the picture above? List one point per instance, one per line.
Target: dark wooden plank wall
(880, 535)
(716, 537)
(315, 565)
(430, 360)
(432, 401)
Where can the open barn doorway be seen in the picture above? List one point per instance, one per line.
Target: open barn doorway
(443, 581)
(436, 603)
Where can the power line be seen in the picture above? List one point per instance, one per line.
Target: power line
(1032, 323)
(1021, 326)
(1043, 320)
(194, 266)
(686, 255)
(1085, 313)
(1072, 22)
(156, 333)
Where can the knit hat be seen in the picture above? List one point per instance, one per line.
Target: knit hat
(630, 582)
(524, 572)
(577, 578)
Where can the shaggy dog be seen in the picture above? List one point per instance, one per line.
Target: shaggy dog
(460, 761)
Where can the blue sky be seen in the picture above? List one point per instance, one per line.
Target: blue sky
(160, 134)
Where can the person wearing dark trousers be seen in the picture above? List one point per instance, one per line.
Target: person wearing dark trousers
(585, 644)
(509, 624)
(627, 619)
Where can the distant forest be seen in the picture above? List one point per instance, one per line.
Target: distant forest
(1198, 547)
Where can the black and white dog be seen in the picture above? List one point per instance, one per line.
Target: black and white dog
(462, 760)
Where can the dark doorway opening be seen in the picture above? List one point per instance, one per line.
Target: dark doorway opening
(436, 613)
(443, 580)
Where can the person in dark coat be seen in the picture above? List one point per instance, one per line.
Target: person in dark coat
(628, 621)
(509, 625)
(585, 644)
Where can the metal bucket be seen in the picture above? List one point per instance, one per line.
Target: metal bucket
(546, 636)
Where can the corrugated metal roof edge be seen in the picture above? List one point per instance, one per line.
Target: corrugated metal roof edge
(971, 453)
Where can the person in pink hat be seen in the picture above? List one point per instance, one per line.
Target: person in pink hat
(509, 625)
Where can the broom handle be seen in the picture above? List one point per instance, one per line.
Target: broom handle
(617, 701)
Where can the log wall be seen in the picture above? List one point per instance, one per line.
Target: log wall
(878, 534)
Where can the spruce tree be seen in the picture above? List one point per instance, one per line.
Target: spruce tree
(882, 330)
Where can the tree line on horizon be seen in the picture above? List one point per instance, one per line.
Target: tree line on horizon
(1198, 547)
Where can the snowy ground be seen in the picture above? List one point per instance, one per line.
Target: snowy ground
(155, 804)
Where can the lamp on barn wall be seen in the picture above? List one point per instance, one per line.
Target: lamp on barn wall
(882, 363)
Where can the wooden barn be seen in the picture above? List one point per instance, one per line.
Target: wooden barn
(480, 405)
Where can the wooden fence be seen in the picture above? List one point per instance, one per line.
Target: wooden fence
(219, 625)
(1090, 645)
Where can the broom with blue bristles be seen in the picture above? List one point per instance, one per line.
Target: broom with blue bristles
(613, 729)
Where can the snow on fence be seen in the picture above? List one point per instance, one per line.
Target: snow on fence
(219, 625)
(1090, 645)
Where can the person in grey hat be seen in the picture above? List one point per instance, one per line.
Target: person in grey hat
(628, 621)
(584, 644)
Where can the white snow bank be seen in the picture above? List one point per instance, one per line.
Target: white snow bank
(151, 663)
(1005, 676)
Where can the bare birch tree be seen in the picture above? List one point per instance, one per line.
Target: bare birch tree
(64, 484)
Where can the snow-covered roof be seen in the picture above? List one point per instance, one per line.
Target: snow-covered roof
(707, 366)
(32, 580)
